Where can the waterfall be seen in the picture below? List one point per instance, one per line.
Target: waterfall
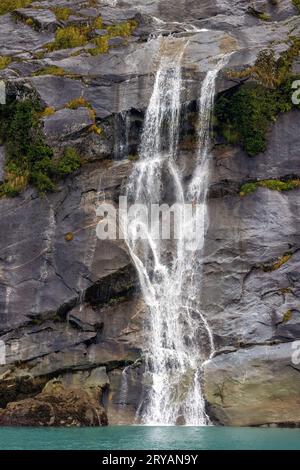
(169, 270)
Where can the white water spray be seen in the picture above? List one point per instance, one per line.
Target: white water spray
(180, 339)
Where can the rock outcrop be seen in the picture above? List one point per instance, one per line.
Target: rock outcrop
(71, 315)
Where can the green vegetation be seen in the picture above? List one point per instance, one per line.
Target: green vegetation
(48, 111)
(273, 185)
(50, 70)
(69, 37)
(243, 114)
(4, 61)
(122, 29)
(264, 16)
(69, 236)
(259, 14)
(285, 290)
(277, 265)
(101, 46)
(287, 316)
(79, 102)
(297, 4)
(102, 43)
(29, 160)
(69, 162)
(97, 23)
(30, 22)
(61, 13)
(10, 5)
(94, 128)
(269, 71)
(76, 36)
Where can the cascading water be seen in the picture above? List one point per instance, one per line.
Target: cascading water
(169, 270)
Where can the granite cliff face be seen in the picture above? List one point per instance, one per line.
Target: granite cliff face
(71, 314)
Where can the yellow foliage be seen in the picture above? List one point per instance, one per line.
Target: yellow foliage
(97, 23)
(4, 62)
(50, 70)
(122, 29)
(69, 236)
(62, 13)
(11, 5)
(101, 46)
(94, 128)
(80, 102)
(69, 37)
(47, 112)
(92, 114)
(287, 316)
(277, 265)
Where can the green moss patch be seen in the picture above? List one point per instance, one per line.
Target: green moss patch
(268, 70)
(76, 36)
(4, 61)
(277, 264)
(287, 316)
(62, 13)
(69, 162)
(50, 70)
(10, 5)
(79, 102)
(68, 38)
(273, 185)
(297, 4)
(244, 114)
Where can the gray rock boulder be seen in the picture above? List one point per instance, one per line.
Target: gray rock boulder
(254, 386)
(55, 91)
(21, 37)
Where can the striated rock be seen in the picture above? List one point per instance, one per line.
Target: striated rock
(55, 91)
(41, 271)
(125, 394)
(42, 19)
(233, 167)
(254, 386)
(66, 123)
(21, 37)
(85, 318)
(245, 234)
(56, 405)
(38, 341)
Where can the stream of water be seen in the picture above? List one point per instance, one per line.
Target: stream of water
(169, 270)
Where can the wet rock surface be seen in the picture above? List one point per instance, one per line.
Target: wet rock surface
(71, 315)
(254, 386)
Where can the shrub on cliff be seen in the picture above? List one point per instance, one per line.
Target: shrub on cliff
(28, 157)
(69, 37)
(10, 5)
(297, 4)
(69, 162)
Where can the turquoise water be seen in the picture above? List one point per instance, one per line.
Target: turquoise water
(149, 438)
